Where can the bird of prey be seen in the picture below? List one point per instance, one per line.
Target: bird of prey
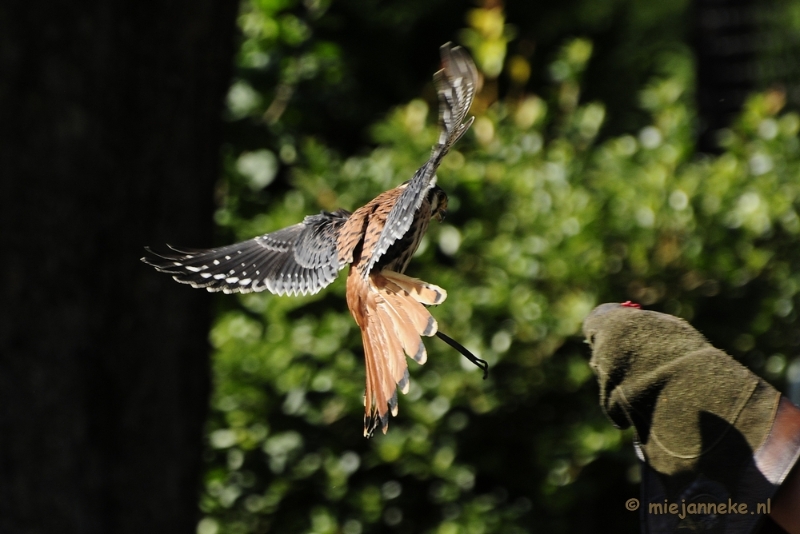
(377, 240)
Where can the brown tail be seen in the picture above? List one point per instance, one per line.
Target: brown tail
(388, 308)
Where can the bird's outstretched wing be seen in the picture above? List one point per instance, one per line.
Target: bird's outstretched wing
(456, 84)
(301, 259)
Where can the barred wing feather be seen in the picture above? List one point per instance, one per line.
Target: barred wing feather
(298, 260)
(456, 85)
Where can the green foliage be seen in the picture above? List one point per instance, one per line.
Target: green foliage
(545, 222)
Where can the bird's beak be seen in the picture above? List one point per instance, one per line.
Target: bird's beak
(440, 215)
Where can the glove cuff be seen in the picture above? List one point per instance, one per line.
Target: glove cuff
(760, 478)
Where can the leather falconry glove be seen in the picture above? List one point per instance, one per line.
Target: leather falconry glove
(707, 429)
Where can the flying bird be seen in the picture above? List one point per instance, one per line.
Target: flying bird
(377, 241)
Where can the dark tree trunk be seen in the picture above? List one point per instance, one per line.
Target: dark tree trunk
(725, 44)
(741, 46)
(109, 140)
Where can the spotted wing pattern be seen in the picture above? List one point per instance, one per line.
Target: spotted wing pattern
(456, 85)
(298, 260)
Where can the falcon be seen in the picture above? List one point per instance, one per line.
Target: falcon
(377, 241)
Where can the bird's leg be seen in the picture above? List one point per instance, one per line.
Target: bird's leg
(482, 364)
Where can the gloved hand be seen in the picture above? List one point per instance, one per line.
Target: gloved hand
(703, 422)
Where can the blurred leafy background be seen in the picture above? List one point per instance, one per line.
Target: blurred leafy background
(581, 182)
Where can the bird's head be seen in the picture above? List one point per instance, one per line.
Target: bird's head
(438, 199)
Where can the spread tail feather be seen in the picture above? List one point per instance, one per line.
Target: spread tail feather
(423, 292)
(388, 308)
